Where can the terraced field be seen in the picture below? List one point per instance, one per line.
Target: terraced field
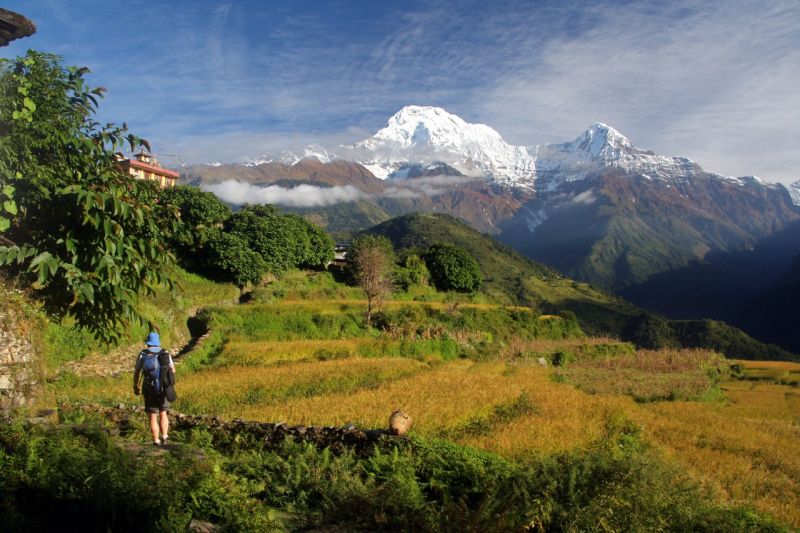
(472, 374)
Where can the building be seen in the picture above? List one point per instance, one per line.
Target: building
(14, 26)
(145, 166)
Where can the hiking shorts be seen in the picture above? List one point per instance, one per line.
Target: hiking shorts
(155, 403)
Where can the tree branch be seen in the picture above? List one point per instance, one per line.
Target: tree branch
(6, 241)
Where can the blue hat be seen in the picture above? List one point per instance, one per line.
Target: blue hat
(153, 339)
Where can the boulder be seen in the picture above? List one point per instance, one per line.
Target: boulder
(399, 423)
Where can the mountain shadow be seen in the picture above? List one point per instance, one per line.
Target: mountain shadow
(754, 289)
(512, 279)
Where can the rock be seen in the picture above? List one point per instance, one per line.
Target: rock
(349, 427)
(399, 423)
(200, 526)
(121, 406)
(542, 362)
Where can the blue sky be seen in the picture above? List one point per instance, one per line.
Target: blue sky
(717, 81)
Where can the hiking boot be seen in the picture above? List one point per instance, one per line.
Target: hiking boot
(164, 440)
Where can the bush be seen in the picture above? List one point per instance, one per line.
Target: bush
(453, 269)
(81, 481)
(226, 257)
(283, 241)
(412, 272)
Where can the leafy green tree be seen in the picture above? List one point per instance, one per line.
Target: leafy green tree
(87, 238)
(371, 259)
(226, 257)
(284, 241)
(198, 208)
(311, 247)
(263, 229)
(320, 247)
(453, 269)
(412, 272)
(199, 212)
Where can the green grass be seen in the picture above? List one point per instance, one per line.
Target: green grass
(72, 480)
(167, 310)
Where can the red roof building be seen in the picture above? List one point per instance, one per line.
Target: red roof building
(145, 167)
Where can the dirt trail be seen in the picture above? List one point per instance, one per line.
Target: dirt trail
(121, 359)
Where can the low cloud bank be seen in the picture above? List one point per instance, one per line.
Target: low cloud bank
(240, 193)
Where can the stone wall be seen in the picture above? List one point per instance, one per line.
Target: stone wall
(20, 369)
(227, 435)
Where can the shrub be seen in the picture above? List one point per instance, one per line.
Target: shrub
(226, 257)
(284, 241)
(453, 269)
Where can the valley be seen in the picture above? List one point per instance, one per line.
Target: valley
(660, 231)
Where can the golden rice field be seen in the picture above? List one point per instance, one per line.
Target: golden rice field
(264, 353)
(743, 445)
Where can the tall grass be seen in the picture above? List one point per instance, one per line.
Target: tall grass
(227, 391)
(651, 375)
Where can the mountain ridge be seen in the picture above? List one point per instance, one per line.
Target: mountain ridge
(423, 134)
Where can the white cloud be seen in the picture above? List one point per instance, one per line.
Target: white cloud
(240, 193)
(713, 81)
(585, 198)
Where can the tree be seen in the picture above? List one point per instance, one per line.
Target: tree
(200, 211)
(453, 269)
(413, 272)
(284, 241)
(198, 208)
(371, 259)
(226, 257)
(87, 238)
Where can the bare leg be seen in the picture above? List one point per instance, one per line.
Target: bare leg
(164, 424)
(154, 426)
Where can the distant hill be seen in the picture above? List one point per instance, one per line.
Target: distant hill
(618, 229)
(514, 279)
(774, 315)
(751, 289)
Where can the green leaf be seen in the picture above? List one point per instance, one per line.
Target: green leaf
(88, 292)
(39, 259)
(4, 224)
(8, 190)
(29, 104)
(10, 207)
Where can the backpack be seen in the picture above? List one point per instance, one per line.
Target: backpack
(167, 376)
(151, 368)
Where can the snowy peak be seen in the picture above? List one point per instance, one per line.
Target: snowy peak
(421, 134)
(433, 126)
(292, 157)
(794, 192)
(417, 136)
(601, 140)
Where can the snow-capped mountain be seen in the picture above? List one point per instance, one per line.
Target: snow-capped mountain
(292, 156)
(794, 192)
(422, 134)
(600, 147)
(419, 136)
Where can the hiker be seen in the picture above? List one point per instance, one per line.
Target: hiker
(158, 370)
